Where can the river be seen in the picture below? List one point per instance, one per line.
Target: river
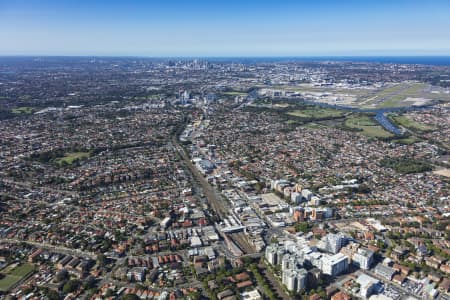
(380, 116)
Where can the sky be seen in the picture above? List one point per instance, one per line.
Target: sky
(203, 28)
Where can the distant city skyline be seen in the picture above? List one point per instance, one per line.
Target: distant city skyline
(225, 28)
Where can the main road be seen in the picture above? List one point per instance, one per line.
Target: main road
(55, 248)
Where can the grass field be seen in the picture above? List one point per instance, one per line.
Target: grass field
(70, 157)
(15, 275)
(8, 282)
(409, 123)
(289, 122)
(23, 110)
(318, 113)
(407, 141)
(314, 125)
(368, 126)
(22, 270)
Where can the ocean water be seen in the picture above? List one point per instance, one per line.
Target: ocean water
(420, 60)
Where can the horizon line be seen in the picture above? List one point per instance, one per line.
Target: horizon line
(226, 56)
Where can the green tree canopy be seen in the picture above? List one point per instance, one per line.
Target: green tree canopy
(71, 286)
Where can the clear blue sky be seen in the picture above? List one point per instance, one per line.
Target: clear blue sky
(225, 27)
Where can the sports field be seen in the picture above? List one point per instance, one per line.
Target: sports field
(70, 157)
(23, 110)
(409, 123)
(14, 275)
(367, 125)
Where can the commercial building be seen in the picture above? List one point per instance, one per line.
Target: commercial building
(367, 285)
(334, 265)
(251, 295)
(384, 271)
(296, 197)
(136, 274)
(289, 261)
(294, 279)
(205, 166)
(332, 242)
(363, 258)
(307, 194)
(272, 252)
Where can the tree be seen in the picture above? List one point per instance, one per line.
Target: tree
(27, 290)
(195, 295)
(53, 295)
(130, 297)
(363, 189)
(303, 227)
(71, 286)
(101, 259)
(258, 187)
(62, 275)
(89, 283)
(109, 293)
